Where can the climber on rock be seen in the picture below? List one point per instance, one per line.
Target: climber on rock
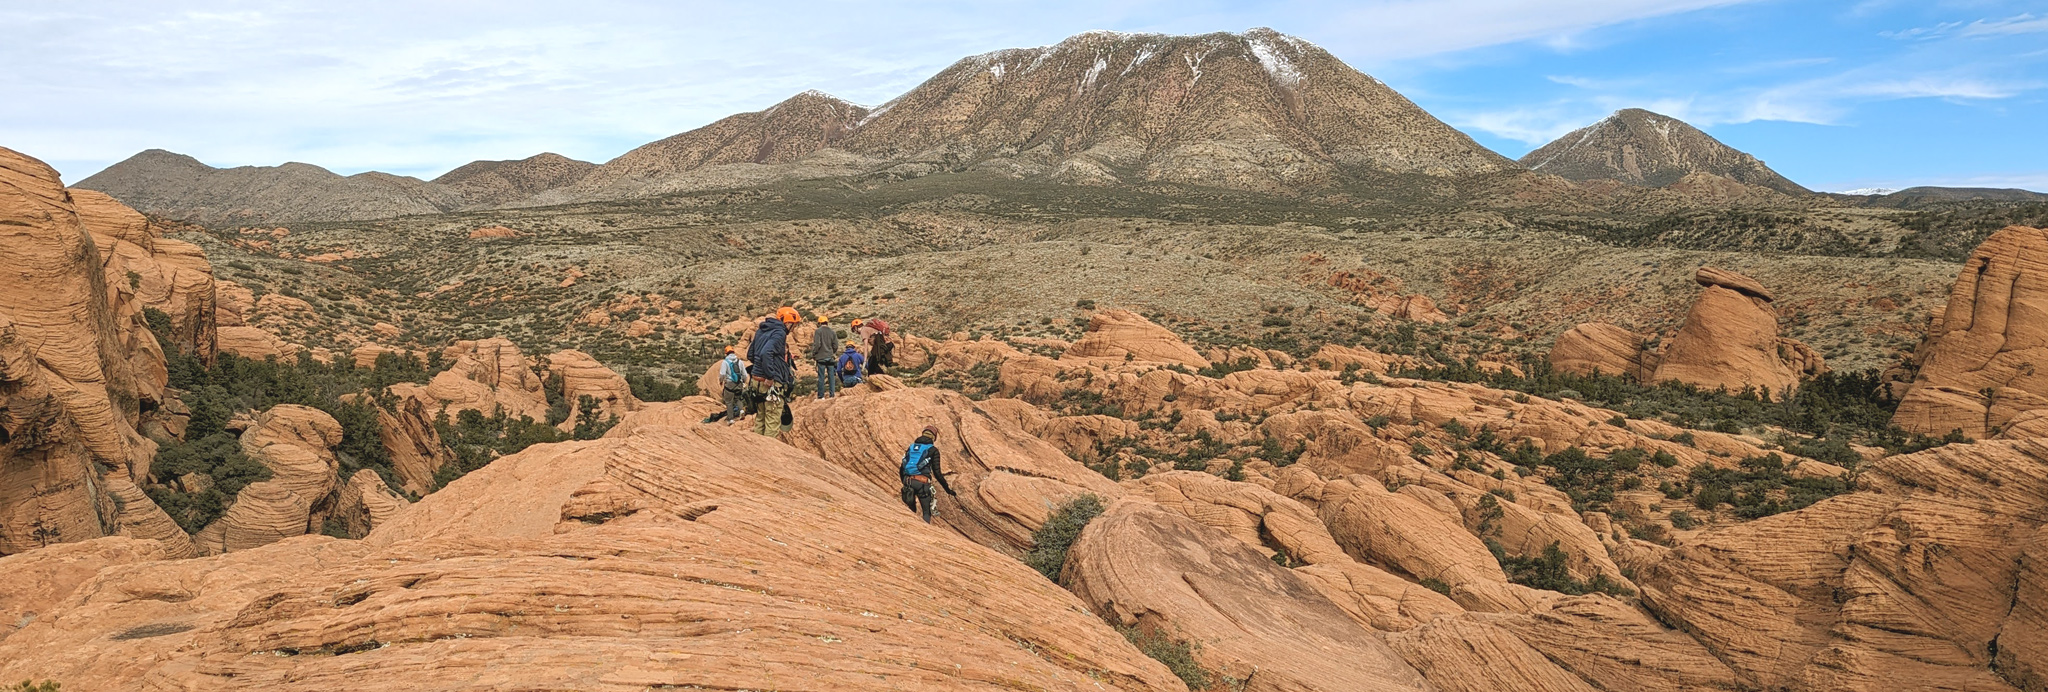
(824, 354)
(881, 348)
(851, 365)
(919, 468)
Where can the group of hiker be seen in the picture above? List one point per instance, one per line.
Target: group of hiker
(764, 384)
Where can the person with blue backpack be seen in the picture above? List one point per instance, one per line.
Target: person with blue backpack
(919, 468)
(732, 385)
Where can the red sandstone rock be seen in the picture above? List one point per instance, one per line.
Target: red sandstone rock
(1118, 335)
(1986, 361)
(1598, 347)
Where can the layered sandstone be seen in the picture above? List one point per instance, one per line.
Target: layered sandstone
(703, 557)
(1599, 348)
(1730, 341)
(1119, 335)
(1986, 360)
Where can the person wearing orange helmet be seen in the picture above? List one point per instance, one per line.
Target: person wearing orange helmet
(773, 370)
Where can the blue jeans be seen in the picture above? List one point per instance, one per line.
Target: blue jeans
(828, 382)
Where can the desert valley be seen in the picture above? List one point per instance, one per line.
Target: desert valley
(1249, 374)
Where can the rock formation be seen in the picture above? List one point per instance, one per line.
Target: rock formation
(488, 376)
(1120, 335)
(1986, 360)
(583, 376)
(1730, 341)
(1599, 348)
(1008, 481)
(70, 351)
(1141, 566)
(296, 443)
(621, 564)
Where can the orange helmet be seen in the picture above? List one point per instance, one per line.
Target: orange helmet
(789, 315)
(821, 319)
(856, 321)
(729, 349)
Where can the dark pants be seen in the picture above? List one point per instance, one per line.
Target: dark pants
(915, 493)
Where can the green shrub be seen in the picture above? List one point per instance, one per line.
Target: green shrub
(1683, 520)
(1050, 542)
(1549, 571)
(31, 686)
(1178, 655)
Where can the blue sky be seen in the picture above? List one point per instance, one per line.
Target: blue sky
(1835, 95)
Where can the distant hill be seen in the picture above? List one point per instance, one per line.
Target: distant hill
(781, 134)
(179, 186)
(1924, 194)
(490, 183)
(1639, 147)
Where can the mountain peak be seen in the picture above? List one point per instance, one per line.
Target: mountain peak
(1651, 149)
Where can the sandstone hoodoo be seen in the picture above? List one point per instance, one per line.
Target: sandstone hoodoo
(1729, 342)
(1986, 360)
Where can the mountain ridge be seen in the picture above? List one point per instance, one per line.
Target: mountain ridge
(1639, 147)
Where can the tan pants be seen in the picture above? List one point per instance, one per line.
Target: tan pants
(769, 420)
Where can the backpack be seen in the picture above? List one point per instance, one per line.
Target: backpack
(913, 460)
(732, 374)
(884, 352)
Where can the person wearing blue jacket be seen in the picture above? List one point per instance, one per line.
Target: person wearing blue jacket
(850, 366)
(769, 352)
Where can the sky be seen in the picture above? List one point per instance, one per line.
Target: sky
(1834, 95)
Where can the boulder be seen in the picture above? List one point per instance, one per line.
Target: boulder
(1142, 566)
(1120, 335)
(1716, 276)
(1730, 341)
(255, 343)
(1986, 361)
(583, 376)
(363, 504)
(296, 443)
(1402, 534)
(414, 445)
(1598, 348)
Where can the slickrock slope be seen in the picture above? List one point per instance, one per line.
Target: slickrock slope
(1598, 347)
(702, 557)
(1120, 335)
(784, 133)
(70, 348)
(1730, 341)
(492, 183)
(1257, 111)
(179, 186)
(1008, 481)
(1985, 362)
(1912, 584)
(1639, 147)
(1139, 565)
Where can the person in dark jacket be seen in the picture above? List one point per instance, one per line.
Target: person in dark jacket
(881, 354)
(824, 354)
(769, 352)
(921, 467)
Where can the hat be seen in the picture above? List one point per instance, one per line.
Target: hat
(729, 350)
(856, 321)
(931, 430)
(788, 315)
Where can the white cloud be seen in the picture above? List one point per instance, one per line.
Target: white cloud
(2022, 24)
(420, 87)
